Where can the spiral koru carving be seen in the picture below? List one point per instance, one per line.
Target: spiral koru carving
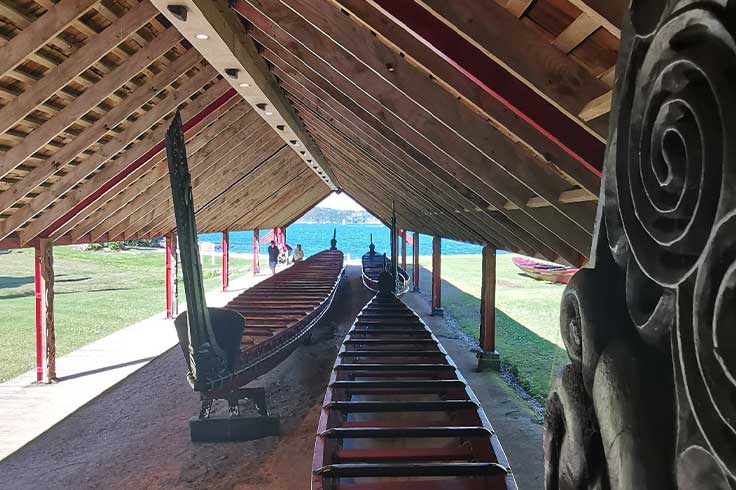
(675, 127)
(707, 345)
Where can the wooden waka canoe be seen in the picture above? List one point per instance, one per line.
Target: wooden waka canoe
(544, 271)
(373, 264)
(279, 314)
(398, 414)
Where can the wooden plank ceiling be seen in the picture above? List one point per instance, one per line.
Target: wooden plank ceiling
(484, 121)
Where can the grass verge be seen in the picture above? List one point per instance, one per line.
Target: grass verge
(527, 317)
(97, 293)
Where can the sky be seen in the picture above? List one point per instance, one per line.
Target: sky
(340, 201)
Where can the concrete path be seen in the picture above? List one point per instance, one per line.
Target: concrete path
(28, 409)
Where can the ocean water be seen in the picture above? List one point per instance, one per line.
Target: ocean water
(351, 239)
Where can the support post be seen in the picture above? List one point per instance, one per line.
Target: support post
(44, 289)
(172, 290)
(256, 265)
(415, 265)
(403, 250)
(437, 277)
(225, 259)
(488, 358)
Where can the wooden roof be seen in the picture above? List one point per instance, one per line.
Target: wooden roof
(485, 121)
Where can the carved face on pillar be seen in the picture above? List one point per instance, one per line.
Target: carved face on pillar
(649, 400)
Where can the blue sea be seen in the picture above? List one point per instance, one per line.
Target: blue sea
(351, 239)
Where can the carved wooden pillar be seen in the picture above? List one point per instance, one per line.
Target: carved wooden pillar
(488, 357)
(415, 265)
(172, 277)
(45, 336)
(649, 398)
(437, 276)
(256, 242)
(403, 249)
(225, 259)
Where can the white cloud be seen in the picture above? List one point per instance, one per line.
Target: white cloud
(340, 201)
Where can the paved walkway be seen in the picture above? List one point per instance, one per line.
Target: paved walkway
(28, 409)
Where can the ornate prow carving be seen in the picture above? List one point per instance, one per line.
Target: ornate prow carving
(649, 399)
(206, 359)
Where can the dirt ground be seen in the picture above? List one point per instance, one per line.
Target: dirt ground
(135, 436)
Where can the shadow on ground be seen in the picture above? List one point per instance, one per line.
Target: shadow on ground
(532, 359)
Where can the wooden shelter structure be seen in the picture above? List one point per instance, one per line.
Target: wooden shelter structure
(486, 121)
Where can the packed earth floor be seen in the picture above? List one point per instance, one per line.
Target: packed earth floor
(136, 435)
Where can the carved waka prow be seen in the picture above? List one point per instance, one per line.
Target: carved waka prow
(209, 337)
(333, 242)
(648, 400)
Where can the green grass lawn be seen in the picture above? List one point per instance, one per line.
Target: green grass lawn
(527, 317)
(97, 293)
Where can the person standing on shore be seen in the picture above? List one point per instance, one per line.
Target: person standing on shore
(273, 257)
(298, 253)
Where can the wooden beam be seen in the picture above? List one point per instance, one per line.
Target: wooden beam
(488, 301)
(530, 58)
(327, 135)
(225, 247)
(488, 357)
(89, 99)
(437, 276)
(446, 73)
(577, 32)
(45, 331)
(230, 48)
(364, 133)
(608, 13)
(137, 156)
(597, 107)
(230, 167)
(518, 7)
(415, 263)
(110, 213)
(90, 136)
(489, 177)
(55, 20)
(60, 76)
(403, 249)
(86, 214)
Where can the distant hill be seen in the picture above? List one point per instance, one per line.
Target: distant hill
(337, 216)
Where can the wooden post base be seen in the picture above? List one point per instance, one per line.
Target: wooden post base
(416, 290)
(438, 312)
(228, 428)
(489, 361)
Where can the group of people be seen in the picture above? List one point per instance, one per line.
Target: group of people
(274, 252)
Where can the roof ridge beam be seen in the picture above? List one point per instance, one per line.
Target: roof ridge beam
(230, 50)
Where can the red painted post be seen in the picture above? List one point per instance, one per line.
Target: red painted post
(169, 279)
(437, 277)
(39, 313)
(415, 271)
(403, 249)
(256, 266)
(225, 259)
(488, 357)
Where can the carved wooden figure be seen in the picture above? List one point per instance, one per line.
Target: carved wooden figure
(649, 398)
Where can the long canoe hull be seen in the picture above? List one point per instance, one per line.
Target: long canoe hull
(372, 266)
(398, 414)
(279, 314)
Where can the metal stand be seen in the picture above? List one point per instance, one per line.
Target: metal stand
(234, 427)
